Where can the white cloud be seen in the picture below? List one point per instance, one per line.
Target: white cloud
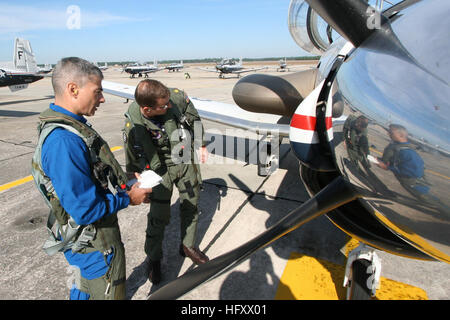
(17, 18)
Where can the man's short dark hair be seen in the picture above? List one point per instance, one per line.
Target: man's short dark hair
(73, 69)
(148, 91)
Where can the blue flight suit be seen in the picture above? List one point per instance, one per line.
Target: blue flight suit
(65, 160)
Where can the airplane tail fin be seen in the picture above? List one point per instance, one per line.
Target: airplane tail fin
(23, 58)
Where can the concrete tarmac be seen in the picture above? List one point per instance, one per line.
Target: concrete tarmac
(236, 206)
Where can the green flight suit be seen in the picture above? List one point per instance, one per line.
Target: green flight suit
(356, 142)
(149, 146)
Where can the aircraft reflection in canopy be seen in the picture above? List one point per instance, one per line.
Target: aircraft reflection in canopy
(229, 66)
(371, 70)
(142, 69)
(23, 70)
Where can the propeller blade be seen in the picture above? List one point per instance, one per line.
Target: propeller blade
(335, 194)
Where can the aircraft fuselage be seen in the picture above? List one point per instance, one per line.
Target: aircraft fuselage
(139, 70)
(8, 78)
(228, 69)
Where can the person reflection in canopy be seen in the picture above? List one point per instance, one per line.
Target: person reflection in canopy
(356, 141)
(406, 164)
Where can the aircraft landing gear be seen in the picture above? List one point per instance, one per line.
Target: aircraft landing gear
(362, 273)
(267, 157)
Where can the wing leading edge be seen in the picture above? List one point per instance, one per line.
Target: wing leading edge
(224, 113)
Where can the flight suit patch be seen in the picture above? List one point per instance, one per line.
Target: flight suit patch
(155, 134)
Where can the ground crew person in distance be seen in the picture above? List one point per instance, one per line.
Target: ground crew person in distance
(82, 183)
(156, 124)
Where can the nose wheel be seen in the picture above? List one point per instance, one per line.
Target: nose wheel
(362, 273)
(268, 158)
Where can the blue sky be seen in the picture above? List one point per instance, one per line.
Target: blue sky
(140, 30)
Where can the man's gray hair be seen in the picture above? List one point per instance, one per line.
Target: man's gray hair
(73, 69)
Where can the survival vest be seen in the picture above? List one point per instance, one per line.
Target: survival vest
(393, 156)
(149, 146)
(106, 173)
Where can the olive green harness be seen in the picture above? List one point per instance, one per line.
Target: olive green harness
(106, 173)
(171, 143)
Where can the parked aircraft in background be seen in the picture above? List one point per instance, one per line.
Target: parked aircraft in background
(142, 69)
(229, 66)
(283, 65)
(22, 70)
(175, 66)
(104, 67)
(46, 69)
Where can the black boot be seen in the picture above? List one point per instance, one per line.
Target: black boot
(154, 274)
(195, 254)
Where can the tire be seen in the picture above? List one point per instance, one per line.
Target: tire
(358, 289)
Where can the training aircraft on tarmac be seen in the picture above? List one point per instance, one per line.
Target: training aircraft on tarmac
(282, 65)
(227, 66)
(46, 69)
(23, 70)
(142, 70)
(104, 67)
(175, 66)
(372, 68)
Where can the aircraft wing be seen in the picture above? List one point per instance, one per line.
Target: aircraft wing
(224, 113)
(248, 70)
(208, 70)
(151, 71)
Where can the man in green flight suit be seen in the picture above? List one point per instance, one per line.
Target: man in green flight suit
(158, 135)
(355, 136)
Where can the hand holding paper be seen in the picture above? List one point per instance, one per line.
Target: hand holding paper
(149, 179)
(372, 159)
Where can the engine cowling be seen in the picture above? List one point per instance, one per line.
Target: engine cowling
(279, 95)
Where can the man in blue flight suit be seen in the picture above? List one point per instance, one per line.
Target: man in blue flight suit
(405, 163)
(82, 183)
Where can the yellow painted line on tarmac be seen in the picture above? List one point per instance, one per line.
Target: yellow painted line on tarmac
(309, 278)
(437, 174)
(16, 183)
(29, 178)
(376, 151)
